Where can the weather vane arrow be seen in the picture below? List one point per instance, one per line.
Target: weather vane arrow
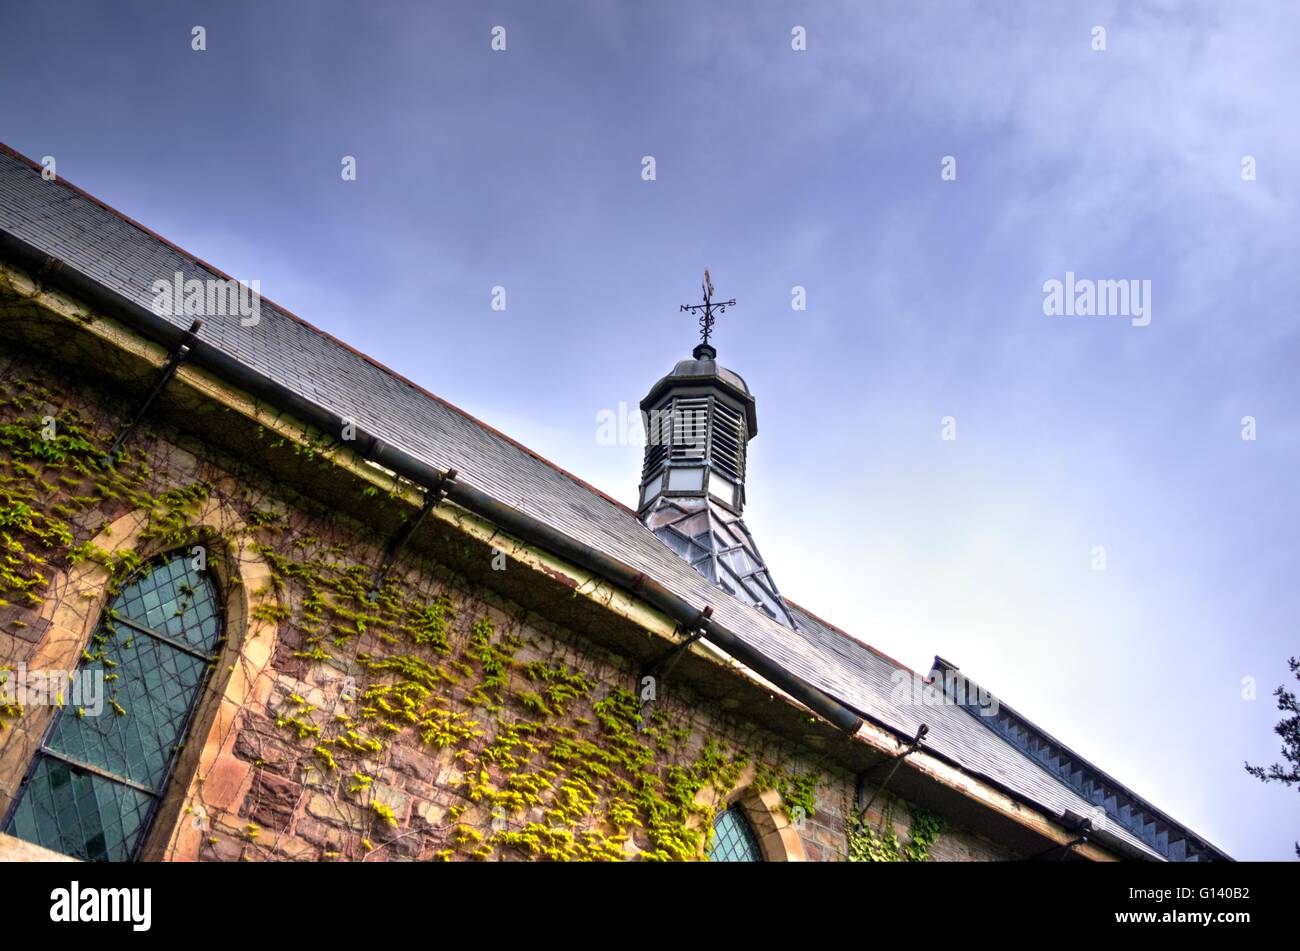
(706, 310)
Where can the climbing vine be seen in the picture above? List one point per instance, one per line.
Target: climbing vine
(54, 479)
(514, 728)
(798, 790)
(55, 484)
(549, 762)
(882, 845)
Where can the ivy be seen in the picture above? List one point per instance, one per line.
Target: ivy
(798, 790)
(565, 765)
(871, 845)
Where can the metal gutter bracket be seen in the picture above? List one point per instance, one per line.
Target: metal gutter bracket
(1081, 826)
(659, 668)
(432, 496)
(164, 377)
(915, 745)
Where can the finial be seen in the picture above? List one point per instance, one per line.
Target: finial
(705, 312)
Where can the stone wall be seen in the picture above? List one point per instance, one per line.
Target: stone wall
(436, 721)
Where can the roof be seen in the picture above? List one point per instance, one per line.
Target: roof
(125, 258)
(704, 369)
(707, 367)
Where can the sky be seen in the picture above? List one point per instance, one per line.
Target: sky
(1098, 545)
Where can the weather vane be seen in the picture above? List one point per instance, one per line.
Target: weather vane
(706, 310)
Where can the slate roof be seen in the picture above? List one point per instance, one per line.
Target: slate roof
(126, 258)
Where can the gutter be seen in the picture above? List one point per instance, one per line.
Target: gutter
(47, 268)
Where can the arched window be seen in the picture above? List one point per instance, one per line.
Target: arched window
(96, 783)
(734, 839)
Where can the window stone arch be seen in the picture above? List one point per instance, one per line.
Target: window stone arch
(94, 787)
(778, 839)
(207, 778)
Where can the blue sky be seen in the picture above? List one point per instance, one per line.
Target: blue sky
(821, 169)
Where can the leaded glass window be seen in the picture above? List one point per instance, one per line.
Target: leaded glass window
(734, 839)
(96, 782)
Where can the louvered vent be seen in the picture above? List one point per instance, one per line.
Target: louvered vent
(690, 428)
(659, 436)
(728, 453)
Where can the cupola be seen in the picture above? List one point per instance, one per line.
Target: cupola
(699, 420)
